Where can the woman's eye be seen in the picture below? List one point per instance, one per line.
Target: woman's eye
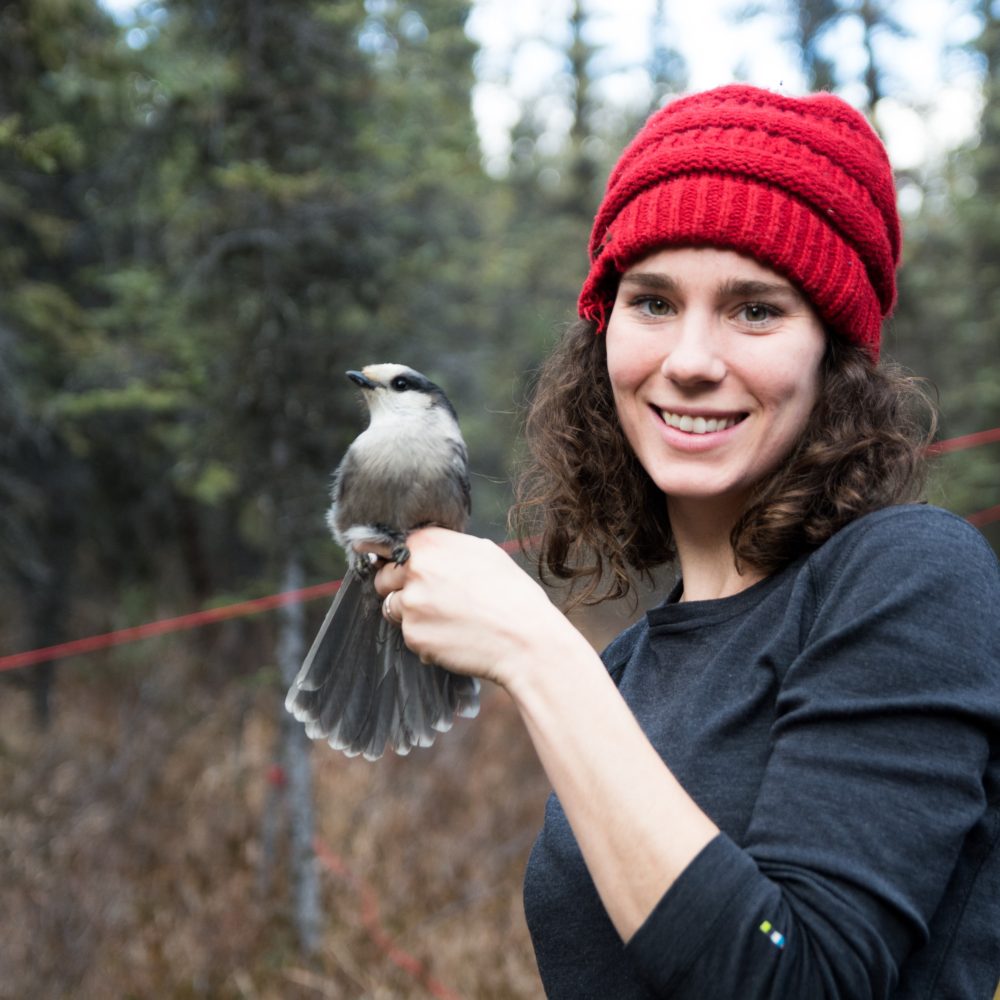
(757, 313)
(652, 306)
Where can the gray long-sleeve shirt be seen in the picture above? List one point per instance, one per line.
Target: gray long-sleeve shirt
(840, 722)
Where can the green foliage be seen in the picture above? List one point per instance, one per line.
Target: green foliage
(64, 112)
(947, 327)
(46, 149)
(201, 234)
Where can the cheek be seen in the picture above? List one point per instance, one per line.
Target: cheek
(628, 363)
(796, 415)
(792, 396)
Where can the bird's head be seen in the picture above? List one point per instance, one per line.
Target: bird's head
(396, 390)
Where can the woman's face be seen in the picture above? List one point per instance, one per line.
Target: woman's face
(714, 360)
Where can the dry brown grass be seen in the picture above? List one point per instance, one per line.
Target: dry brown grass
(133, 860)
(143, 852)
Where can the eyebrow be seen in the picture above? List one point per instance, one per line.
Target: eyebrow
(650, 279)
(733, 288)
(750, 288)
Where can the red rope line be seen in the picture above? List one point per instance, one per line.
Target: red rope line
(165, 625)
(92, 643)
(963, 442)
(106, 640)
(984, 517)
(372, 923)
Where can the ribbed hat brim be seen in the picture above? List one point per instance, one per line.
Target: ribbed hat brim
(749, 217)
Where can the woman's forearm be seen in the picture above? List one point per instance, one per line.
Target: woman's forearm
(637, 828)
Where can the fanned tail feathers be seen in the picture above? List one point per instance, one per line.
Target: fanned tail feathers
(361, 688)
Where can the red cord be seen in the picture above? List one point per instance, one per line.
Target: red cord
(165, 625)
(30, 657)
(983, 517)
(963, 442)
(93, 643)
(372, 923)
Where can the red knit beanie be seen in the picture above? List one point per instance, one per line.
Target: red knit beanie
(801, 184)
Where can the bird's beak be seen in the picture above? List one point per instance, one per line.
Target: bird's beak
(361, 380)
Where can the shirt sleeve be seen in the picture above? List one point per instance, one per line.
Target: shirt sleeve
(882, 736)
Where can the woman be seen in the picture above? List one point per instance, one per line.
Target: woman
(783, 781)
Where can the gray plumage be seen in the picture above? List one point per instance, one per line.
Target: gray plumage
(360, 687)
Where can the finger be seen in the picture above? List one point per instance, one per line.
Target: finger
(389, 611)
(389, 578)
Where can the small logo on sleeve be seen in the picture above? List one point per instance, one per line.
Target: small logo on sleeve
(775, 936)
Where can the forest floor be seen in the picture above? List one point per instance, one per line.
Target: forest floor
(143, 840)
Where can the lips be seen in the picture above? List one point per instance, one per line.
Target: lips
(698, 424)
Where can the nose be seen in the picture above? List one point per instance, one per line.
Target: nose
(694, 355)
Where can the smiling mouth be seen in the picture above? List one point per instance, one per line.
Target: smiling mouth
(698, 425)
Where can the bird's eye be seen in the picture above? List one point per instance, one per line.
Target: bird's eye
(400, 383)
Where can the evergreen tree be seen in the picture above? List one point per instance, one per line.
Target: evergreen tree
(812, 19)
(667, 67)
(876, 20)
(271, 253)
(946, 325)
(583, 169)
(64, 110)
(315, 194)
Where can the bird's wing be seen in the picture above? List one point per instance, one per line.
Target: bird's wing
(460, 470)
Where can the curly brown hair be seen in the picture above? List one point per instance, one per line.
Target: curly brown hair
(604, 522)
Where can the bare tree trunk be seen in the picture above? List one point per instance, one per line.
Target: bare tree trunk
(46, 598)
(873, 82)
(298, 771)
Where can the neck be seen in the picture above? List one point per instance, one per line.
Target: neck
(701, 532)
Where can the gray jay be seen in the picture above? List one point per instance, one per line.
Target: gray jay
(360, 687)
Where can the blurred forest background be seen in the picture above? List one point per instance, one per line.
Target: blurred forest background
(208, 212)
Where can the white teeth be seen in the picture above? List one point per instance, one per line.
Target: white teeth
(697, 425)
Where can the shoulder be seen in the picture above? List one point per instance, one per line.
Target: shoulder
(910, 577)
(912, 539)
(914, 520)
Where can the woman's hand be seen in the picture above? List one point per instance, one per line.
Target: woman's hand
(464, 604)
